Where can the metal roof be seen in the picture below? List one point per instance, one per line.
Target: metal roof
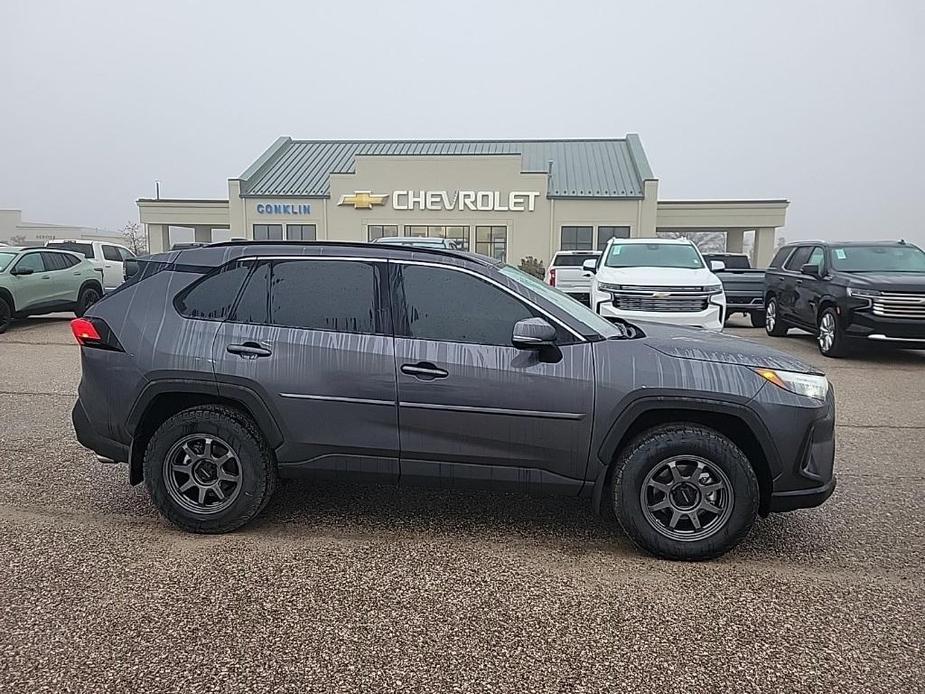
(605, 168)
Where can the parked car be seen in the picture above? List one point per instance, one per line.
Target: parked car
(280, 361)
(35, 281)
(742, 284)
(567, 274)
(105, 257)
(417, 241)
(848, 293)
(660, 280)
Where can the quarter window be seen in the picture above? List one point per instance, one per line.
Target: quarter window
(254, 305)
(378, 231)
(268, 232)
(213, 296)
(336, 295)
(491, 241)
(577, 239)
(300, 232)
(451, 306)
(605, 233)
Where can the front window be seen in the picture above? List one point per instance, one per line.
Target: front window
(676, 255)
(575, 309)
(878, 259)
(5, 260)
(491, 241)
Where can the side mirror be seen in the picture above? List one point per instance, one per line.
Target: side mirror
(19, 271)
(717, 266)
(532, 333)
(590, 265)
(811, 270)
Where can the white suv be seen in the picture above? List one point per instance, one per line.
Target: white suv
(107, 258)
(661, 280)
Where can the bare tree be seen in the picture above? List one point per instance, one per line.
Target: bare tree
(135, 238)
(18, 240)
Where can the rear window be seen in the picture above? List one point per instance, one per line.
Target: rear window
(573, 259)
(85, 249)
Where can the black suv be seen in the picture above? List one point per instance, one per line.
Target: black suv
(215, 370)
(848, 292)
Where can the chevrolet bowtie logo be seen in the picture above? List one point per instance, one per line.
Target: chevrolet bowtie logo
(362, 200)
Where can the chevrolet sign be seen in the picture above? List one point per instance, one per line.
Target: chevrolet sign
(462, 200)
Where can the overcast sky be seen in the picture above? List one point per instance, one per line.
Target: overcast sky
(819, 102)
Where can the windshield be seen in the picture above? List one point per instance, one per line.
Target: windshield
(680, 255)
(878, 259)
(574, 308)
(5, 259)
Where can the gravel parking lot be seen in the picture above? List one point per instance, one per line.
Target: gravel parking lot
(347, 588)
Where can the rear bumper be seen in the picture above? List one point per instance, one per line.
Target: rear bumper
(801, 498)
(88, 437)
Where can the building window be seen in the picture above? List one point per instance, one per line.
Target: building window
(268, 232)
(604, 234)
(300, 232)
(491, 241)
(379, 231)
(577, 239)
(459, 235)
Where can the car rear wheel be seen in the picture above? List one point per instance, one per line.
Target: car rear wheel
(685, 491)
(773, 324)
(88, 297)
(829, 334)
(209, 470)
(6, 315)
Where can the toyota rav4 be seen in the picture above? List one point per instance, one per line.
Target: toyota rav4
(214, 371)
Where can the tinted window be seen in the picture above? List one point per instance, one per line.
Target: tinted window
(572, 259)
(213, 296)
(452, 306)
(254, 304)
(799, 258)
(816, 257)
(31, 261)
(112, 253)
(576, 238)
(54, 261)
(85, 249)
(906, 258)
(70, 260)
(325, 295)
(780, 257)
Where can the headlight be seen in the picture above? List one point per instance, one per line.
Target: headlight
(713, 289)
(607, 287)
(810, 385)
(863, 293)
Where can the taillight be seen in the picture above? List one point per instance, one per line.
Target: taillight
(552, 277)
(94, 332)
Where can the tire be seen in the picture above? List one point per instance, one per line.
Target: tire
(229, 502)
(6, 316)
(830, 338)
(88, 296)
(687, 469)
(757, 318)
(773, 324)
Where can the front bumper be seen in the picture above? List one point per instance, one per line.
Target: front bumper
(710, 319)
(863, 324)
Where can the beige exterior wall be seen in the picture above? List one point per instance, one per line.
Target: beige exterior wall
(13, 228)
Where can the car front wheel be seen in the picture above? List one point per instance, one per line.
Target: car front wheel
(685, 491)
(829, 335)
(6, 316)
(209, 470)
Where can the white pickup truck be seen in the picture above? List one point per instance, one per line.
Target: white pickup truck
(107, 258)
(565, 273)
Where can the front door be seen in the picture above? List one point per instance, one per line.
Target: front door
(473, 408)
(793, 280)
(31, 291)
(313, 338)
(809, 290)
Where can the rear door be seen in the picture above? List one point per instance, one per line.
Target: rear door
(112, 266)
(474, 409)
(64, 284)
(312, 337)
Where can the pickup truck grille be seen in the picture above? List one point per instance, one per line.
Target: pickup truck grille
(658, 300)
(899, 305)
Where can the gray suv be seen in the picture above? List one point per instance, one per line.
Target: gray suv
(214, 371)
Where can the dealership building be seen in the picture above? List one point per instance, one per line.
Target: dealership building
(509, 199)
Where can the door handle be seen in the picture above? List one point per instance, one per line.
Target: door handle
(249, 350)
(424, 370)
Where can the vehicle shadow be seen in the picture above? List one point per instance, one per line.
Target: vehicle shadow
(24, 325)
